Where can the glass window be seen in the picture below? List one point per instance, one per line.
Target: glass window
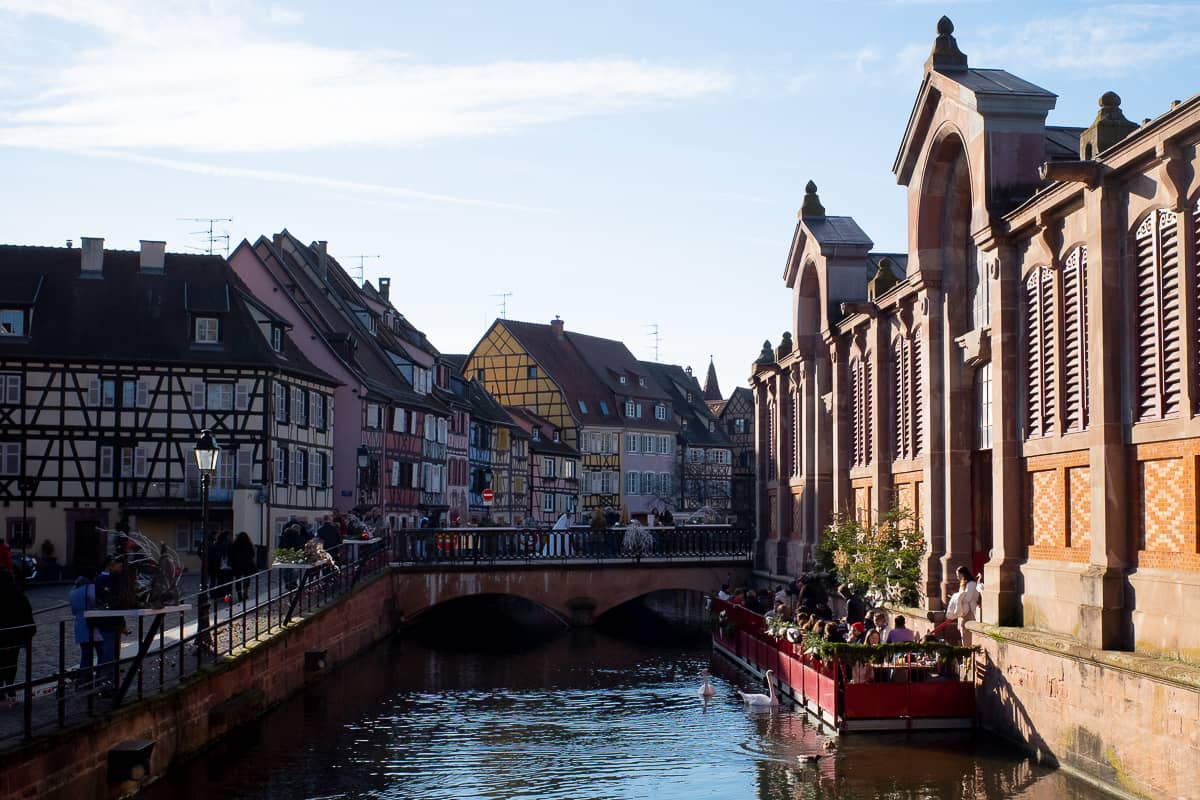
(12, 322)
(583, 407)
(548, 502)
(983, 406)
(207, 330)
(218, 396)
(277, 338)
(604, 408)
(632, 443)
(631, 483)
(531, 371)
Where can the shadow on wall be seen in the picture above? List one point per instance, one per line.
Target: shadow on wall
(1001, 710)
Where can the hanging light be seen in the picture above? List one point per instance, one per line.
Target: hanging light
(208, 452)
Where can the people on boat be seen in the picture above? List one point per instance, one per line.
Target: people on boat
(899, 633)
(739, 598)
(723, 594)
(856, 609)
(856, 634)
(879, 622)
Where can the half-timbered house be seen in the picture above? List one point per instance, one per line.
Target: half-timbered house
(119, 361)
(553, 469)
(736, 417)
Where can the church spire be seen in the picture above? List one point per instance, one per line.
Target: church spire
(711, 390)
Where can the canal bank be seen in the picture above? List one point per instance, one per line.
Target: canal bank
(75, 763)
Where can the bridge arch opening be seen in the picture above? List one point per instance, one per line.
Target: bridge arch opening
(661, 615)
(486, 621)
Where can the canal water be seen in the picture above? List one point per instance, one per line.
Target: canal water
(581, 714)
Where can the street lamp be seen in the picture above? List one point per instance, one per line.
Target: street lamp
(27, 487)
(207, 453)
(364, 464)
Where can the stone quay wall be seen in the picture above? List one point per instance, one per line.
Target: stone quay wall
(1124, 721)
(73, 763)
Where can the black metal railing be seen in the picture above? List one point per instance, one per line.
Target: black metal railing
(170, 645)
(499, 545)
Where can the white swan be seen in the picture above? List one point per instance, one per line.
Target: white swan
(707, 689)
(762, 699)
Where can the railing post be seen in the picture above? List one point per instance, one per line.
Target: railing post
(61, 690)
(29, 686)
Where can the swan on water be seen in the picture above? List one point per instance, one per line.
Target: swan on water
(707, 690)
(808, 758)
(762, 699)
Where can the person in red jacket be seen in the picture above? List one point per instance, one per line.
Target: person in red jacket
(6, 561)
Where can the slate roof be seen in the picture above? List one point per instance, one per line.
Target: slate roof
(559, 359)
(996, 82)
(696, 412)
(712, 389)
(127, 315)
(899, 263)
(837, 231)
(1062, 142)
(527, 420)
(333, 301)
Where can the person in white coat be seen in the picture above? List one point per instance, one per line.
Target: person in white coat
(964, 604)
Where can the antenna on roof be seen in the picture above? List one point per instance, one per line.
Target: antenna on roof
(652, 331)
(361, 261)
(503, 303)
(211, 237)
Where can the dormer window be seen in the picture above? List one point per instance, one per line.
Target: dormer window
(603, 408)
(641, 381)
(208, 330)
(277, 338)
(535, 434)
(660, 412)
(556, 437)
(623, 380)
(12, 322)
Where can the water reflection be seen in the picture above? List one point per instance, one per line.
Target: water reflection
(585, 715)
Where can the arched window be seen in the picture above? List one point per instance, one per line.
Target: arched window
(1075, 340)
(1039, 349)
(1158, 369)
(860, 412)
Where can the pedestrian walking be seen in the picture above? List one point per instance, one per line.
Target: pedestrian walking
(16, 631)
(220, 572)
(242, 561)
(87, 635)
(112, 592)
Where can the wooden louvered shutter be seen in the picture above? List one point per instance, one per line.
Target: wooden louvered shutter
(1075, 352)
(866, 410)
(1049, 373)
(856, 413)
(1158, 317)
(901, 410)
(915, 384)
(1034, 377)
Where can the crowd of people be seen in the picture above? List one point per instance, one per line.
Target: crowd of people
(807, 604)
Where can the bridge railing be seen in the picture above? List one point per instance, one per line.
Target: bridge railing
(516, 545)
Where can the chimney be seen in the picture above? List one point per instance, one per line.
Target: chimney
(556, 325)
(92, 250)
(154, 256)
(322, 258)
(385, 286)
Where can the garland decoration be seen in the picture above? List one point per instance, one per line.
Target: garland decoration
(851, 654)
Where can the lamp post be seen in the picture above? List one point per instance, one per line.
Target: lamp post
(364, 464)
(207, 453)
(27, 486)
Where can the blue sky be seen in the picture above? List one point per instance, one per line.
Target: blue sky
(620, 164)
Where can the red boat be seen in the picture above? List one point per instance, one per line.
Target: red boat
(904, 695)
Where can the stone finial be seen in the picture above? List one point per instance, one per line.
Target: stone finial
(1109, 127)
(883, 279)
(812, 207)
(767, 356)
(785, 345)
(945, 55)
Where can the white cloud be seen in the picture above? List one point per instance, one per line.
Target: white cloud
(278, 15)
(1105, 40)
(199, 77)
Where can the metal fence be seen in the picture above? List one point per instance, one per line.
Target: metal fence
(171, 645)
(509, 545)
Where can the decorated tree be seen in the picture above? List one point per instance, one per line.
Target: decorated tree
(881, 558)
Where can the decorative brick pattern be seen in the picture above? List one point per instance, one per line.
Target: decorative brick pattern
(1162, 492)
(1079, 520)
(1045, 508)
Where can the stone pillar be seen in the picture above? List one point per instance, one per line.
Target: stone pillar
(784, 422)
(879, 346)
(928, 315)
(840, 428)
(1102, 589)
(1001, 574)
(761, 451)
(958, 408)
(820, 486)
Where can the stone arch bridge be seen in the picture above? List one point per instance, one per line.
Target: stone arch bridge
(576, 593)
